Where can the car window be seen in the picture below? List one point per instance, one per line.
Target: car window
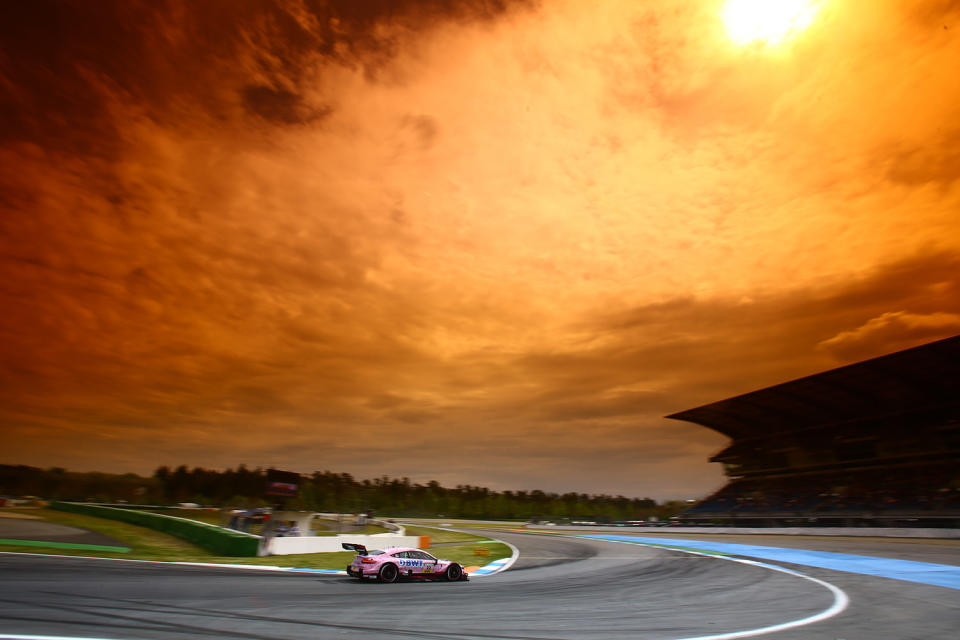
(400, 554)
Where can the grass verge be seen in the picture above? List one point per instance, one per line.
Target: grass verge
(475, 550)
(147, 544)
(466, 555)
(440, 536)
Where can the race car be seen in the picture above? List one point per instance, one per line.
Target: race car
(393, 563)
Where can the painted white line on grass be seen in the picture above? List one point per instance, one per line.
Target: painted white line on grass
(840, 599)
(494, 567)
(500, 565)
(17, 636)
(252, 567)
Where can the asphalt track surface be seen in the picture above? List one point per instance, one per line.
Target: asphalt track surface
(35, 529)
(560, 588)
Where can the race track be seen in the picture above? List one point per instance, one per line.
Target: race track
(560, 588)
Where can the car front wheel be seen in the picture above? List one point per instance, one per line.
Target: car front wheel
(453, 573)
(388, 573)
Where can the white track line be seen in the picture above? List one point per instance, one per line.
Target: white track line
(5, 636)
(209, 565)
(840, 599)
(515, 553)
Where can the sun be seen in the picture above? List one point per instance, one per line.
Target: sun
(767, 21)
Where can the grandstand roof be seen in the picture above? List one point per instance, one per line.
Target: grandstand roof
(924, 377)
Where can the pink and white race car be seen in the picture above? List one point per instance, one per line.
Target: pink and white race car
(394, 563)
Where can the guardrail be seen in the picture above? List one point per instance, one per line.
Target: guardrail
(223, 541)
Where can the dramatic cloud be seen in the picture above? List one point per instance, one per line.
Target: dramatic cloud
(480, 242)
(891, 329)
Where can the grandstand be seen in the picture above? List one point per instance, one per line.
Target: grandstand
(876, 443)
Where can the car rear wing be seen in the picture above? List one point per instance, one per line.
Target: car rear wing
(359, 548)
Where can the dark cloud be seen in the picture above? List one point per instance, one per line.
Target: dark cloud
(935, 161)
(281, 106)
(424, 128)
(891, 331)
(933, 14)
(714, 349)
(68, 69)
(518, 232)
(591, 407)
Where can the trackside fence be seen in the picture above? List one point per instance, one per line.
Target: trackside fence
(222, 541)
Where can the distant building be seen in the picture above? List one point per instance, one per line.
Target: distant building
(873, 443)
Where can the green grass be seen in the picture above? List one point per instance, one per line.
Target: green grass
(147, 544)
(7, 542)
(144, 543)
(464, 554)
(439, 536)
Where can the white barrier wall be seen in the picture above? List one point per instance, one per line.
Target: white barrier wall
(323, 544)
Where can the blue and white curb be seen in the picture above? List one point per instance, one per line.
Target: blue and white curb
(939, 575)
(498, 565)
(494, 567)
(329, 572)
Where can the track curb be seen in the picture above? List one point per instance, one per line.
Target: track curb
(494, 567)
(497, 566)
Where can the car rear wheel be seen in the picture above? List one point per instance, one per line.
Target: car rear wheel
(388, 573)
(453, 573)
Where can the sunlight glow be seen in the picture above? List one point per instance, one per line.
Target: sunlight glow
(767, 21)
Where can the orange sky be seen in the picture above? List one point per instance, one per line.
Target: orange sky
(488, 243)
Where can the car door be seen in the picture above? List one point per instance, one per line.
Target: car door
(428, 564)
(406, 563)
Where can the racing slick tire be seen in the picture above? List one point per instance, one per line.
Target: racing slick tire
(388, 573)
(453, 573)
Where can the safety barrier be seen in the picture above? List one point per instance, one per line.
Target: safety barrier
(326, 544)
(223, 541)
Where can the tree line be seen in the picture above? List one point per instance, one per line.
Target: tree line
(325, 491)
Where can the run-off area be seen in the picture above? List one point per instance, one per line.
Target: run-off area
(558, 589)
